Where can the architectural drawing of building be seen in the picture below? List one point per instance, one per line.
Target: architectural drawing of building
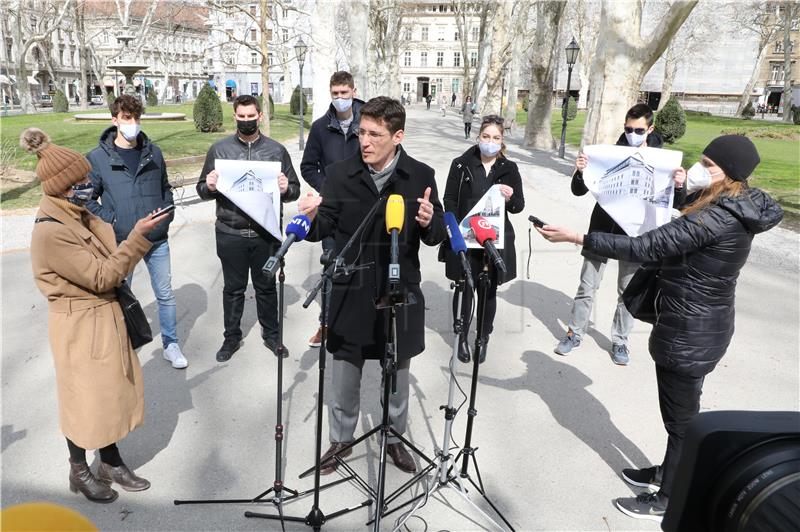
(249, 182)
(631, 177)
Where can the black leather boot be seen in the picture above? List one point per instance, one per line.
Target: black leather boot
(122, 476)
(463, 349)
(482, 354)
(81, 479)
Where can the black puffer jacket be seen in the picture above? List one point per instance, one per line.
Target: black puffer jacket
(261, 149)
(600, 220)
(701, 255)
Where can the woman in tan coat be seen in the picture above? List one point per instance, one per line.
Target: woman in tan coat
(77, 265)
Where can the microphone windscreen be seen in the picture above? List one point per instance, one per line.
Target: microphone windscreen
(299, 226)
(483, 229)
(457, 243)
(395, 212)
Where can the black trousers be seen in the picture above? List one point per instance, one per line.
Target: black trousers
(239, 256)
(467, 128)
(108, 454)
(679, 400)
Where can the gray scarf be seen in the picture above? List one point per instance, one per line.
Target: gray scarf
(382, 176)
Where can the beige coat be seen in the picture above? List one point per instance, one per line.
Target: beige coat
(100, 392)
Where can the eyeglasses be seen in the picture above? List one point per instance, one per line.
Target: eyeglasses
(637, 130)
(492, 119)
(373, 135)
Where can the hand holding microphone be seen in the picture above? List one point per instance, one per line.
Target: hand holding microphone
(458, 245)
(296, 230)
(486, 236)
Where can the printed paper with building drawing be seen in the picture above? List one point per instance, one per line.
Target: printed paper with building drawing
(633, 185)
(253, 187)
(491, 206)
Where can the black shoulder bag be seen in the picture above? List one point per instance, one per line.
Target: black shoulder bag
(135, 321)
(640, 294)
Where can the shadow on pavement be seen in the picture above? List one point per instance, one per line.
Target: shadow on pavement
(549, 306)
(563, 389)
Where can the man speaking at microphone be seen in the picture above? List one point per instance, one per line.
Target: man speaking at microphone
(357, 331)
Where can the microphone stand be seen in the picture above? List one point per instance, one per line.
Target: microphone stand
(316, 518)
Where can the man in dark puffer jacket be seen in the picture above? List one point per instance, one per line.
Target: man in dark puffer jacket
(638, 132)
(701, 255)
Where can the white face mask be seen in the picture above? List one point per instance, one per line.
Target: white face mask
(489, 149)
(698, 177)
(635, 140)
(130, 131)
(342, 104)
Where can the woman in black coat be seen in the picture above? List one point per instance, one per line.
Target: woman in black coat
(471, 175)
(700, 256)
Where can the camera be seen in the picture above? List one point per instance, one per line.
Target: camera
(738, 471)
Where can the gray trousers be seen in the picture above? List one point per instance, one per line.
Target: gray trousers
(346, 399)
(591, 275)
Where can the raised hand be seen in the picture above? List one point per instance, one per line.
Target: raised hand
(425, 212)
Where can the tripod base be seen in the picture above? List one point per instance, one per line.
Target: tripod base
(263, 497)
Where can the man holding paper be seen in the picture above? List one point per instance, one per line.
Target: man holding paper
(243, 243)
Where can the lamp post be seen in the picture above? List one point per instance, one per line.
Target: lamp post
(300, 52)
(572, 56)
(504, 71)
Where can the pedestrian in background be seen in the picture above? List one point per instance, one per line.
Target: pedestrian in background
(467, 112)
(428, 99)
(443, 104)
(77, 265)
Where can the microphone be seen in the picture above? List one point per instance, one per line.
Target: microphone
(298, 228)
(486, 235)
(458, 245)
(395, 216)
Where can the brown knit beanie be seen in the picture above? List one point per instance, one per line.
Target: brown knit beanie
(59, 168)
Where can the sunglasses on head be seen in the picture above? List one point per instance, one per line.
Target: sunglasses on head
(492, 119)
(637, 130)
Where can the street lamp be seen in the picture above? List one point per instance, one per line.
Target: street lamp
(504, 71)
(572, 56)
(300, 52)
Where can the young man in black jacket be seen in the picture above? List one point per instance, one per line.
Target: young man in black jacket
(333, 138)
(129, 177)
(638, 132)
(243, 246)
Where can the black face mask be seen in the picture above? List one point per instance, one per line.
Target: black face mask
(247, 127)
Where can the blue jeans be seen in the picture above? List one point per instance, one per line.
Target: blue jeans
(158, 264)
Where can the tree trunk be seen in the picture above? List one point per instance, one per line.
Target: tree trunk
(322, 54)
(462, 24)
(23, 89)
(623, 57)
(751, 83)
(81, 36)
(544, 60)
(789, 12)
(286, 89)
(263, 45)
(670, 70)
(484, 51)
(500, 54)
(356, 12)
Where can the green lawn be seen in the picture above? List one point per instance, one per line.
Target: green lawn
(176, 139)
(778, 145)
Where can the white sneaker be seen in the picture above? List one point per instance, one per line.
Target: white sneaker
(173, 354)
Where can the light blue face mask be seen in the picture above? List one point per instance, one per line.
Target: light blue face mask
(489, 149)
(81, 194)
(342, 105)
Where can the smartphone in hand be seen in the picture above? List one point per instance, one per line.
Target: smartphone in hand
(536, 221)
(164, 210)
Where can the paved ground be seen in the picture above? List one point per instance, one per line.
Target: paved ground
(553, 432)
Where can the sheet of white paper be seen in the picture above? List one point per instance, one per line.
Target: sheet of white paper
(253, 187)
(491, 206)
(633, 185)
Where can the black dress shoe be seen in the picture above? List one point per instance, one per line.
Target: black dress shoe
(328, 465)
(272, 345)
(122, 476)
(482, 353)
(229, 347)
(81, 479)
(463, 349)
(401, 458)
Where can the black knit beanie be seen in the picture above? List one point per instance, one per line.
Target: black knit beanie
(735, 154)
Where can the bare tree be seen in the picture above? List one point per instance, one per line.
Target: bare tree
(323, 51)
(79, 21)
(356, 12)
(584, 21)
(500, 56)
(486, 12)
(756, 18)
(32, 25)
(791, 11)
(540, 95)
(521, 41)
(622, 59)
(385, 26)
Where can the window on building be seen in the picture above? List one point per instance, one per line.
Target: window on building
(37, 54)
(456, 85)
(455, 38)
(423, 59)
(456, 59)
(9, 48)
(424, 36)
(407, 34)
(34, 22)
(777, 73)
(406, 87)
(440, 33)
(476, 33)
(407, 59)
(269, 35)
(439, 59)
(269, 58)
(442, 8)
(473, 59)
(253, 9)
(285, 34)
(253, 58)
(253, 35)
